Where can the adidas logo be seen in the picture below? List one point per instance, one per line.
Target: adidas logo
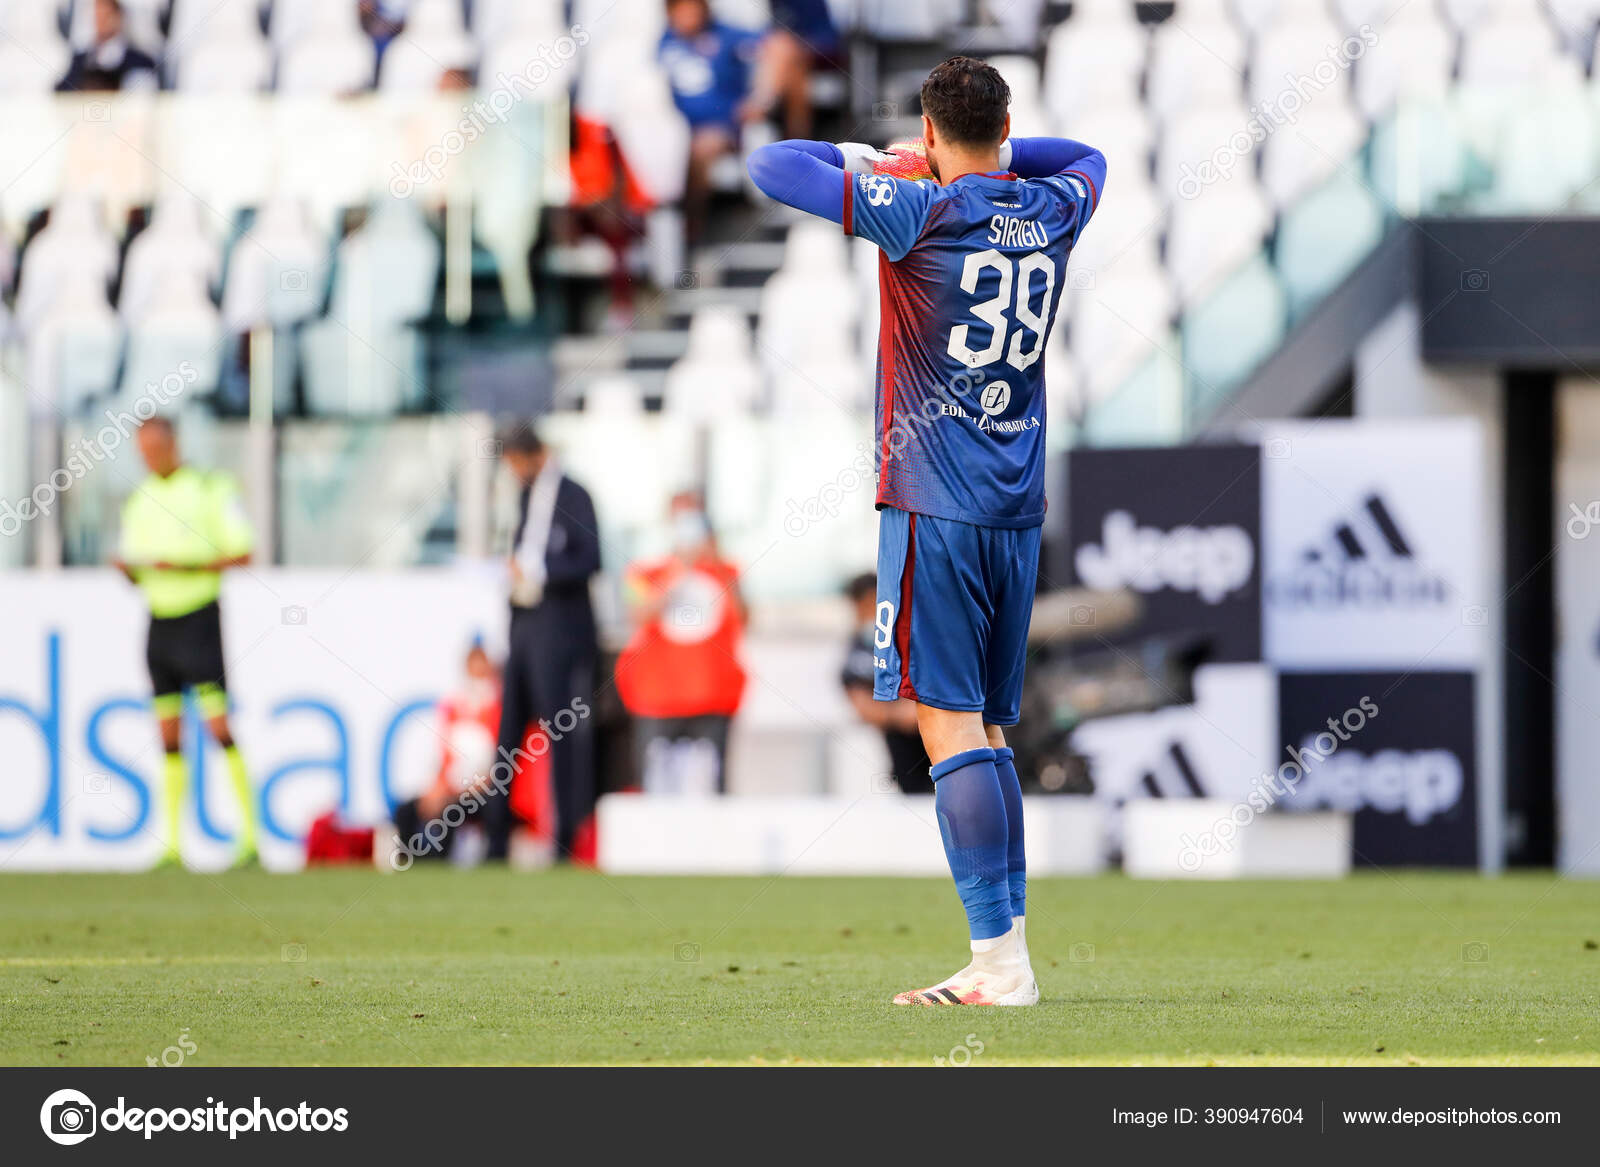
(1173, 776)
(1367, 559)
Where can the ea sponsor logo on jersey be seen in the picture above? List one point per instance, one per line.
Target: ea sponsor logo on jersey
(995, 397)
(1212, 562)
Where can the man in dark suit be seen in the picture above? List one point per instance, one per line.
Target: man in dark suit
(111, 63)
(550, 664)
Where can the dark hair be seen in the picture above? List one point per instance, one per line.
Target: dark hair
(865, 584)
(520, 438)
(967, 100)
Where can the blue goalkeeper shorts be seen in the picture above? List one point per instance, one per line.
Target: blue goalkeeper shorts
(954, 604)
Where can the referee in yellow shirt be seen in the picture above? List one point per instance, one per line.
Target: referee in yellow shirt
(181, 528)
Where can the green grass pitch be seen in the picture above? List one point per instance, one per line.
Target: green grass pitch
(446, 967)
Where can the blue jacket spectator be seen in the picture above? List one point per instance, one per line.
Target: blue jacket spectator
(708, 65)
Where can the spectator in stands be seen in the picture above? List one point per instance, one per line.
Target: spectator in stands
(550, 664)
(111, 63)
(708, 65)
(897, 719)
(802, 38)
(469, 723)
(680, 674)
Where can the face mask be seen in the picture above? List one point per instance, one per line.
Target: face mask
(689, 530)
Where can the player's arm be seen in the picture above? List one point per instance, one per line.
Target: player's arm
(1058, 158)
(836, 183)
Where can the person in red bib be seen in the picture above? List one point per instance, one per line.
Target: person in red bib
(680, 674)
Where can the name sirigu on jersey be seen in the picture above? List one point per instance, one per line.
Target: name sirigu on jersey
(970, 277)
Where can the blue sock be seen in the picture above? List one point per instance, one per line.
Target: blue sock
(1016, 854)
(972, 822)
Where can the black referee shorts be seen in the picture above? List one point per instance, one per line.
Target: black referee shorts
(185, 652)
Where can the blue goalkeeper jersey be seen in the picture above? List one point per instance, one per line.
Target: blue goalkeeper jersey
(970, 277)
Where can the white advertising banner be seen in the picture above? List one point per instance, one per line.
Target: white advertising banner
(1372, 538)
(1219, 747)
(333, 676)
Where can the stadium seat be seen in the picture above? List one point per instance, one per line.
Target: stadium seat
(1257, 16)
(660, 452)
(1213, 234)
(1412, 59)
(177, 330)
(175, 244)
(717, 376)
(495, 21)
(1090, 60)
(613, 396)
(1508, 50)
(808, 308)
(925, 21)
(1299, 156)
(1115, 322)
(433, 41)
(1379, 15)
(1022, 75)
(325, 156)
(1199, 144)
(33, 57)
(74, 242)
(1194, 61)
(1122, 132)
(652, 135)
(1232, 331)
(1467, 15)
(322, 50)
(73, 347)
(1124, 230)
(225, 53)
(1419, 157)
(1296, 56)
(1324, 236)
(277, 271)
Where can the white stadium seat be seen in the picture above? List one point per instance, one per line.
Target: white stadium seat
(321, 48)
(33, 57)
(1300, 56)
(496, 20)
(74, 242)
(1217, 136)
(1213, 234)
(1089, 60)
(1124, 230)
(1193, 61)
(433, 41)
(177, 330)
(1255, 16)
(717, 377)
(1321, 140)
(1412, 59)
(277, 271)
(1122, 132)
(1509, 50)
(808, 308)
(73, 349)
(1116, 323)
(175, 244)
(234, 65)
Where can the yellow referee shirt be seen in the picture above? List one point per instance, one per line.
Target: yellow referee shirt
(189, 517)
